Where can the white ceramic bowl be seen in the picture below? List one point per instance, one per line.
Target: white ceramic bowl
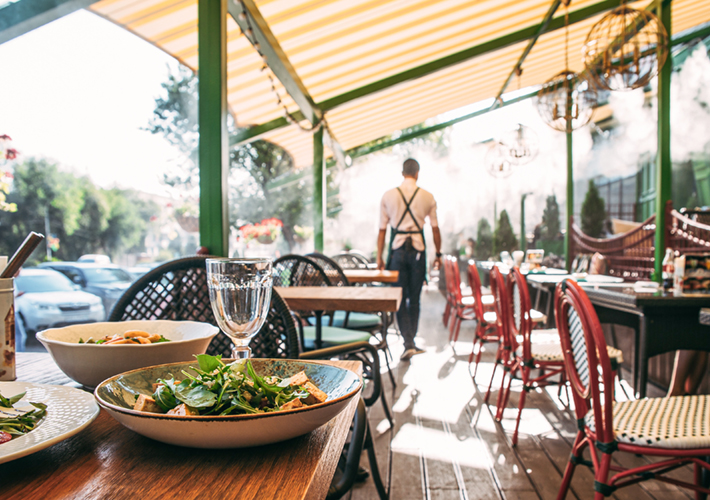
(89, 364)
(118, 394)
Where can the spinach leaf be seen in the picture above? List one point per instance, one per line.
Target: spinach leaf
(197, 397)
(165, 398)
(208, 363)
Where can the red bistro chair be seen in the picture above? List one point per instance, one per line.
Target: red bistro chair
(486, 326)
(502, 306)
(449, 295)
(526, 351)
(463, 305)
(675, 429)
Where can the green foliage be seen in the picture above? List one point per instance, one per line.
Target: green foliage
(504, 239)
(484, 240)
(550, 229)
(254, 167)
(593, 212)
(85, 218)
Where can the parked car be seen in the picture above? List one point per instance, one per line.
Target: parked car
(47, 299)
(107, 281)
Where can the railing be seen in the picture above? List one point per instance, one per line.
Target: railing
(629, 256)
(686, 235)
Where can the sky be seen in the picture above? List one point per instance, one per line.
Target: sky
(78, 91)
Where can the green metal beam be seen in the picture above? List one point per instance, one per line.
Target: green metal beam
(541, 29)
(18, 18)
(319, 194)
(275, 57)
(569, 202)
(663, 157)
(212, 109)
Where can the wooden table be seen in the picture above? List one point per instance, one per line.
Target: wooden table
(371, 276)
(106, 460)
(341, 298)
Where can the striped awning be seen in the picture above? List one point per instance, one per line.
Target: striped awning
(347, 54)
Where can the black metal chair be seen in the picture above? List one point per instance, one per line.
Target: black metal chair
(177, 290)
(344, 319)
(297, 270)
(351, 260)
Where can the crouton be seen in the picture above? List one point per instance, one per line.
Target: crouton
(315, 395)
(183, 410)
(296, 403)
(146, 403)
(298, 379)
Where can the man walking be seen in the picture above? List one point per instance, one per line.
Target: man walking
(405, 209)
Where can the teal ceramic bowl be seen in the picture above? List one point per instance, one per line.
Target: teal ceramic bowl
(118, 394)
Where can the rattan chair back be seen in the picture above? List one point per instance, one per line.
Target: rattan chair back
(351, 260)
(332, 269)
(297, 270)
(177, 290)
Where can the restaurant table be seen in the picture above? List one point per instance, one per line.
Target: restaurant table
(662, 322)
(341, 298)
(106, 460)
(371, 276)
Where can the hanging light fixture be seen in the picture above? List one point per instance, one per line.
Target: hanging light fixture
(625, 49)
(521, 145)
(566, 101)
(497, 161)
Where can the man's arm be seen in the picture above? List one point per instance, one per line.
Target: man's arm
(381, 248)
(437, 245)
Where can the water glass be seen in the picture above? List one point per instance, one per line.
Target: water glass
(240, 294)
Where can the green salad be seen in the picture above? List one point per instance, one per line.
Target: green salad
(216, 388)
(15, 423)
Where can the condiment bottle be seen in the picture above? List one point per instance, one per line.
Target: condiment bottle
(668, 270)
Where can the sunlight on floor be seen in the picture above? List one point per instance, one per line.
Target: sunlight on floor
(438, 445)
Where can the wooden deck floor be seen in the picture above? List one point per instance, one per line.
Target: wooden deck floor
(446, 444)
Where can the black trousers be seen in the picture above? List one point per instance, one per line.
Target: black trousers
(411, 265)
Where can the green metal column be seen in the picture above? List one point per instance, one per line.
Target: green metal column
(318, 190)
(570, 200)
(663, 158)
(212, 109)
(523, 238)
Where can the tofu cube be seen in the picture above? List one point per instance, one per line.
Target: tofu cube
(315, 395)
(146, 403)
(296, 403)
(183, 410)
(298, 379)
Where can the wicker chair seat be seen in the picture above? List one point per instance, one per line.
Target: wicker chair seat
(679, 422)
(356, 320)
(333, 336)
(545, 346)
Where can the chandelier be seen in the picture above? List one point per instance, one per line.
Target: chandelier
(497, 161)
(566, 101)
(625, 49)
(521, 145)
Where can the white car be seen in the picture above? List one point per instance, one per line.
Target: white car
(47, 299)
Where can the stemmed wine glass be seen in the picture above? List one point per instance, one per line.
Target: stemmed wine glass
(240, 294)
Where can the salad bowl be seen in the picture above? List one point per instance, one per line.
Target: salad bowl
(89, 364)
(118, 394)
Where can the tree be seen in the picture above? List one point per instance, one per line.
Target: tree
(253, 197)
(550, 229)
(85, 218)
(593, 212)
(484, 240)
(504, 239)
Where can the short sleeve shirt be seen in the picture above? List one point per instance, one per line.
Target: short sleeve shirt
(393, 207)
